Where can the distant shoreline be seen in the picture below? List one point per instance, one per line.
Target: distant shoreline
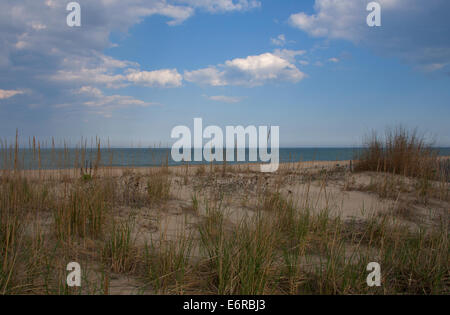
(56, 159)
(103, 171)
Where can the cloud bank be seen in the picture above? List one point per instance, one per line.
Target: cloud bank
(4, 94)
(414, 31)
(39, 52)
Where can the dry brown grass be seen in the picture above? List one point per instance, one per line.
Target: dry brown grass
(281, 245)
(401, 152)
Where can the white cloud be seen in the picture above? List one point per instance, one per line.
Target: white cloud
(224, 99)
(113, 73)
(207, 76)
(90, 90)
(265, 67)
(41, 53)
(159, 78)
(178, 14)
(289, 55)
(104, 105)
(413, 30)
(109, 62)
(97, 76)
(223, 5)
(280, 40)
(4, 94)
(51, 3)
(249, 71)
(166, 78)
(333, 60)
(433, 67)
(38, 26)
(21, 44)
(344, 19)
(116, 101)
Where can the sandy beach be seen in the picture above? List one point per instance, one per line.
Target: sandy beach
(170, 205)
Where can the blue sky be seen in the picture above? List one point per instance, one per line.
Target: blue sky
(136, 69)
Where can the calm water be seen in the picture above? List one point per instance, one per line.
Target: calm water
(58, 158)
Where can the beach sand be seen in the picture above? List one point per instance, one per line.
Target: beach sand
(239, 192)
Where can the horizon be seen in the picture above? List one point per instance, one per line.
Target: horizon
(169, 148)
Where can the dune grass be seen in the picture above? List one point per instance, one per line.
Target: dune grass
(283, 245)
(400, 151)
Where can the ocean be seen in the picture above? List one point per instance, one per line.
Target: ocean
(148, 157)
